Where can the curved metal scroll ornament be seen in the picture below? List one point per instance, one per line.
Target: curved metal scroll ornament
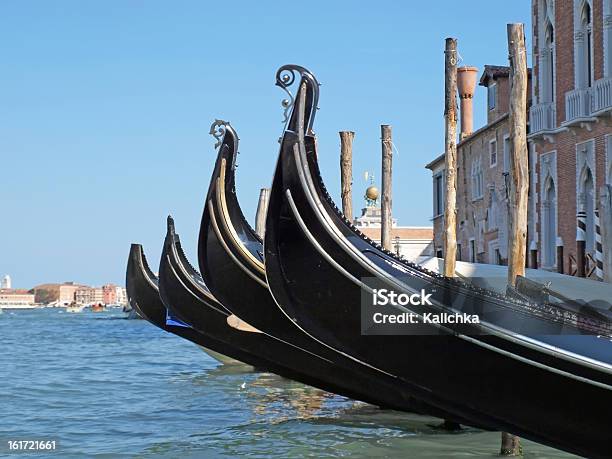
(217, 130)
(285, 77)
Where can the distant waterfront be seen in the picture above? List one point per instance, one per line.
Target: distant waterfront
(102, 386)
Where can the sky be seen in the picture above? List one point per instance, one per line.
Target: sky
(105, 108)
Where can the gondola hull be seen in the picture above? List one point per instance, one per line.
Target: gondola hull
(230, 261)
(318, 266)
(187, 297)
(143, 295)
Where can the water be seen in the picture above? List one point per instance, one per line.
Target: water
(102, 386)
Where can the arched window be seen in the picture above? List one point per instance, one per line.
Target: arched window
(548, 74)
(549, 224)
(546, 52)
(584, 45)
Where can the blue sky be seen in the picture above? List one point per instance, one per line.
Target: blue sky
(105, 108)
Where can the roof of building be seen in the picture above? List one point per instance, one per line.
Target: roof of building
(492, 72)
(14, 291)
(435, 161)
(403, 232)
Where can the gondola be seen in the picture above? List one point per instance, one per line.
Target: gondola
(231, 263)
(143, 295)
(184, 292)
(537, 372)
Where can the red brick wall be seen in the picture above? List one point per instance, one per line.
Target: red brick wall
(565, 141)
(564, 48)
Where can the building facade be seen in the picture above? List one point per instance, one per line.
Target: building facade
(107, 294)
(569, 140)
(570, 129)
(411, 242)
(10, 297)
(483, 164)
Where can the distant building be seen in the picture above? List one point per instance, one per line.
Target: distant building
(67, 292)
(408, 241)
(109, 294)
(19, 298)
(84, 295)
(60, 294)
(121, 296)
(6, 282)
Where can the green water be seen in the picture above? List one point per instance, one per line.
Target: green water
(105, 387)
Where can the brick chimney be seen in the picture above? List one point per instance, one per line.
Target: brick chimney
(466, 83)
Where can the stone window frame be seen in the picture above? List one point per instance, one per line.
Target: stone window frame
(492, 96)
(548, 173)
(547, 53)
(491, 151)
(442, 176)
(580, 59)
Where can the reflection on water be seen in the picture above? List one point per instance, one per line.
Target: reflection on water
(105, 387)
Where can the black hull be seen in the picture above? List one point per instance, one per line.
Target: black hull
(230, 256)
(143, 295)
(189, 299)
(315, 262)
(183, 291)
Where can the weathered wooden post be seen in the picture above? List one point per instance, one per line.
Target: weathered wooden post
(450, 153)
(605, 208)
(346, 173)
(560, 261)
(387, 152)
(519, 173)
(262, 210)
(581, 244)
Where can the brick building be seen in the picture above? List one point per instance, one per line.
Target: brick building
(59, 294)
(570, 133)
(569, 138)
(482, 172)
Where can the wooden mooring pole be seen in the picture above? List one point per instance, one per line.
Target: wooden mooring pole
(346, 173)
(519, 173)
(450, 154)
(262, 210)
(387, 154)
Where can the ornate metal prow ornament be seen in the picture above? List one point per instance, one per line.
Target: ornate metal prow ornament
(217, 130)
(285, 77)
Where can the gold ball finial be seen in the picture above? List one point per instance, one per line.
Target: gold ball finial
(372, 193)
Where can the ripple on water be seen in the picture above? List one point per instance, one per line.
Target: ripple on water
(104, 387)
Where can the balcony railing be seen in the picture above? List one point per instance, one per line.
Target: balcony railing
(542, 117)
(578, 104)
(602, 95)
